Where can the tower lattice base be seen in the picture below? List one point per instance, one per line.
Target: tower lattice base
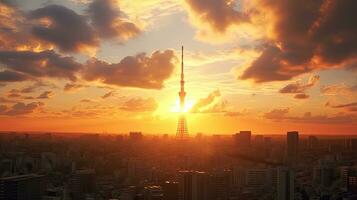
(182, 127)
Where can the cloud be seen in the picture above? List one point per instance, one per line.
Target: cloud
(64, 28)
(352, 107)
(14, 31)
(5, 100)
(338, 89)
(86, 101)
(20, 108)
(107, 95)
(139, 105)
(282, 115)
(301, 96)
(218, 14)
(304, 36)
(211, 103)
(140, 71)
(109, 22)
(70, 87)
(276, 114)
(39, 64)
(46, 95)
(299, 88)
(11, 76)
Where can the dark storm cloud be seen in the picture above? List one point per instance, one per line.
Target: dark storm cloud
(40, 64)
(140, 71)
(139, 105)
(219, 14)
(11, 76)
(109, 21)
(66, 29)
(307, 35)
(20, 108)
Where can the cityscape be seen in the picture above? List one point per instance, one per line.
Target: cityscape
(178, 100)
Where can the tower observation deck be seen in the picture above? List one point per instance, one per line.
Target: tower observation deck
(182, 125)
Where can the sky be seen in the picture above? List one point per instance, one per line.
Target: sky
(113, 66)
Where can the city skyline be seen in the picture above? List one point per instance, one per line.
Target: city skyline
(114, 66)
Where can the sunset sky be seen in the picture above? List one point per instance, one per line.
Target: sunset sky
(268, 66)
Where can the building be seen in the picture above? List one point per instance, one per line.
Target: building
(313, 142)
(193, 185)
(285, 184)
(23, 187)
(135, 136)
(256, 178)
(83, 182)
(243, 139)
(292, 147)
(171, 190)
(220, 185)
(153, 193)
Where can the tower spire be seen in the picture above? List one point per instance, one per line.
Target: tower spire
(181, 126)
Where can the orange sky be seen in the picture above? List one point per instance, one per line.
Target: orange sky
(113, 66)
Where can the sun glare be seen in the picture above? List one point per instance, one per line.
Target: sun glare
(188, 105)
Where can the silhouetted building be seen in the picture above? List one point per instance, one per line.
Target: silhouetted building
(171, 190)
(220, 184)
(82, 183)
(285, 184)
(153, 193)
(23, 187)
(243, 139)
(292, 147)
(135, 136)
(193, 185)
(312, 142)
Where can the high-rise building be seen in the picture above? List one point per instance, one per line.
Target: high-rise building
(256, 178)
(285, 184)
(82, 183)
(193, 185)
(292, 147)
(171, 190)
(243, 139)
(153, 193)
(23, 187)
(312, 142)
(220, 185)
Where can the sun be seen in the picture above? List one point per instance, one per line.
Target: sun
(188, 105)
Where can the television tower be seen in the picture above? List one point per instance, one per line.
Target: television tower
(181, 125)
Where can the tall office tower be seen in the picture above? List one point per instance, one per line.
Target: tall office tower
(153, 193)
(354, 145)
(171, 190)
(220, 185)
(312, 142)
(285, 184)
(82, 183)
(243, 139)
(292, 147)
(24, 187)
(182, 131)
(193, 185)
